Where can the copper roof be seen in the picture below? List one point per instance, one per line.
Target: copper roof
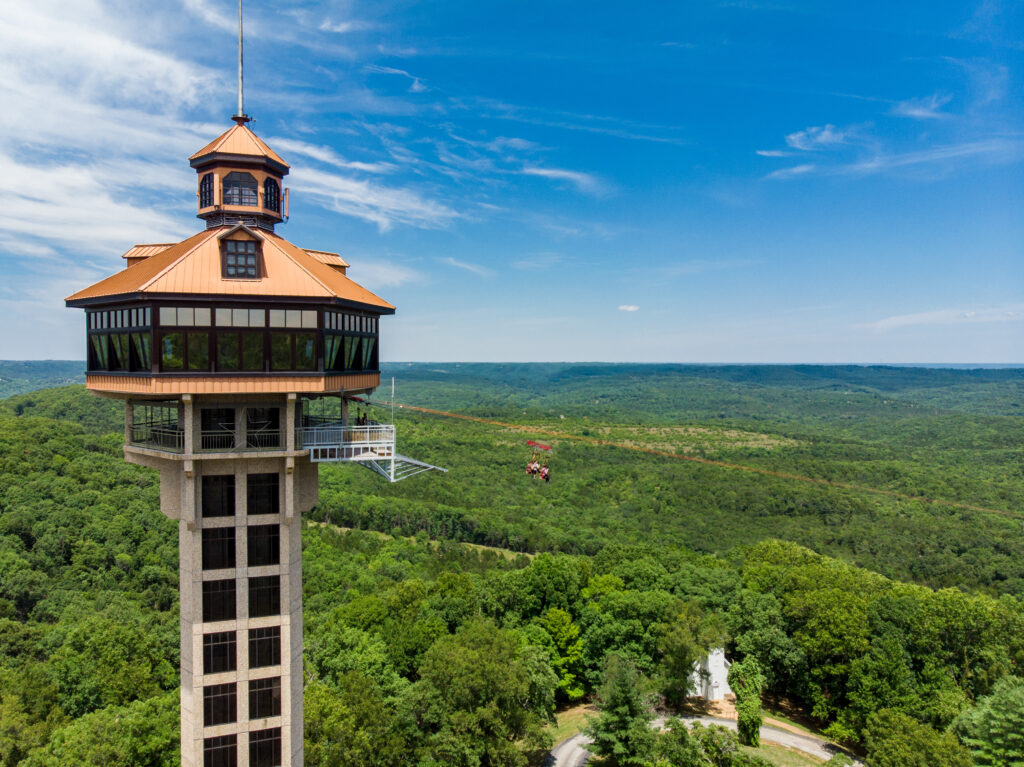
(326, 257)
(193, 267)
(239, 140)
(145, 251)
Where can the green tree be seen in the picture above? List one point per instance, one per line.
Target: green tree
(994, 729)
(747, 680)
(348, 722)
(621, 734)
(568, 659)
(893, 739)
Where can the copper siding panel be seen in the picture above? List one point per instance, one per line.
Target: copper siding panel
(239, 140)
(235, 385)
(326, 257)
(136, 278)
(145, 251)
(338, 284)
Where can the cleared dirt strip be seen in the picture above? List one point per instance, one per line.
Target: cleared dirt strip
(709, 461)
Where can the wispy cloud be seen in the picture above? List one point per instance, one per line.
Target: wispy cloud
(416, 86)
(773, 153)
(327, 155)
(378, 273)
(817, 137)
(793, 172)
(344, 27)
(480, 271)
(1011, 313)
(927, 108)
(584, 182)
(629, 308)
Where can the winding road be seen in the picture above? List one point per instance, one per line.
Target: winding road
(573, 752)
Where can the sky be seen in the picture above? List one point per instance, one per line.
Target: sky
(699, 181)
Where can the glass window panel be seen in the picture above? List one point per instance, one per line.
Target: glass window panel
(332, 345)
(203, 316)
(264, 545)
(186, 316)
(168, 315)
(263, 493)
(252, 351)
(240, 318)
(220, 704)
(119, 351)
(293, 318)
(305, 351)
(368, 352)
(256, 317)
(265, 596)
(264, 697)
(280, 351)
(221, 751)
(171, 352)
(98, 353)
(265, 647)
(218, 548)
(198, 351)
(227, 351)
(223, 318)
(277, 318)
(219, 601)
(141, 359)
(265, 748)
(220, 653)
(351, 351)
(308, 318)
(218, 495)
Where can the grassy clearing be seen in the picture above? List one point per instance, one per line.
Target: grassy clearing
(782, 756)
(571, 721)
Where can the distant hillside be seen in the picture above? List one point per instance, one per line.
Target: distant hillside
(22, 376)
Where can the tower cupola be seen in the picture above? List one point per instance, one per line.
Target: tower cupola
(240, 180)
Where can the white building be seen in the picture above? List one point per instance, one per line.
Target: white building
(710, 678)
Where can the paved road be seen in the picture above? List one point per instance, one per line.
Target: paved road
(573, 752)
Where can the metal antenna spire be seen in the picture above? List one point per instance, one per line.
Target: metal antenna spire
(241, 118)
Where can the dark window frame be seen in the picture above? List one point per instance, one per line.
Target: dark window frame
(264, 697)
(265, 748)
(219, 548)
(241, 259)
(263, 545)
(220, 704)
(217, 496)
(265, 647)
(220, 751)
(220, 601)
(220, 652)
(271, 194)
(206, 191)
(241, 189)
(263, 493)
(264, 596)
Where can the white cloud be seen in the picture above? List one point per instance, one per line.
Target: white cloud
(211, 15)
(796, 170)
(584, 182)
(928, 108)
(1000, 150)
(327, 155)
(629, 308)
(773, 153)
(1011, 313)
(417, 85)
(344, 27)
(476, 269)
(376, 274)
(817, 137)
(382, 205)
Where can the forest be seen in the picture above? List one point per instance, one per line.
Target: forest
(450, 616)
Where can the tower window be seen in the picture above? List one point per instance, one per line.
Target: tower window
(218, 601)
(265, 647)
(264, 596)
(218, 548)
(219, 495)
(240, 189)
(240, 260)
(271, 195)
(206, 191)
(264, 697)
(264, 545)
(221, 751)
(263, 494)
(265, 748)
(219, 652)
(220, 704)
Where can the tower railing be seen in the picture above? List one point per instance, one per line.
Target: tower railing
(339, 442)
(158, 435)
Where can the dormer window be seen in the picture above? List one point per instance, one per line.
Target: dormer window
(240, 260)
(272, 195)
(206, 191)
(240, 189)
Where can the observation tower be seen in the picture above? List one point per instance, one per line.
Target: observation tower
(235, 353)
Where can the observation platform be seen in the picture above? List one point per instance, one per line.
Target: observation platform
(371, 445)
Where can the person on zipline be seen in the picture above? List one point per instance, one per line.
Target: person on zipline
(545, 473)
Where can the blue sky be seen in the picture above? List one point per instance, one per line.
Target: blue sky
(695, 181)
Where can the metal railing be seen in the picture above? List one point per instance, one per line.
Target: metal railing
(216, 439)
(374, 440)
(264, 439)
(161, 435)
